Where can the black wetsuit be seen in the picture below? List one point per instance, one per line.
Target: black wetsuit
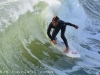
(61, 25)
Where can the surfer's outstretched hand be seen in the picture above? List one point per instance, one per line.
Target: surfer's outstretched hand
(76, 27)
(54, 42)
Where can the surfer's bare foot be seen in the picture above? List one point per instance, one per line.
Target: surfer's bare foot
(67, 49)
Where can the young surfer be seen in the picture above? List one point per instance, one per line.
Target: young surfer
(58, 25)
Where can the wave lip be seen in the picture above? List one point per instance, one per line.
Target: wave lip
(11, 10)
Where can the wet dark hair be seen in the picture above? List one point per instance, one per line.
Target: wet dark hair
(55, 18)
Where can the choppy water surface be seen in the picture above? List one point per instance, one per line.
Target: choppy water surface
(24, 48)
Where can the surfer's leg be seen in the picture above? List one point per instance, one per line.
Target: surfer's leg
(63, 36)
(55, 32)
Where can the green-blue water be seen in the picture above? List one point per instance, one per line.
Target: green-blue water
(24, 48)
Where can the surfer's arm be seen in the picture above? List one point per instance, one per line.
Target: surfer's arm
(70, 24)
(48, 32)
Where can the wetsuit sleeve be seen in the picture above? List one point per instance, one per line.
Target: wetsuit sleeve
(48, 31)
(70, 24)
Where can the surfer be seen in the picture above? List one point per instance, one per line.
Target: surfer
(58, 25)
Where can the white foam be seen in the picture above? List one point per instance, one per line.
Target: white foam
(73, 12)
(13, 10)
(67, 10)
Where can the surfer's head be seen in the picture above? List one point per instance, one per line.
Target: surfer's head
(55, 21)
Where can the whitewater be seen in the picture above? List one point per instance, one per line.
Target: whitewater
(25, 49)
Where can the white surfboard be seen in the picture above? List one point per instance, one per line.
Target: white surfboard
(61, 47)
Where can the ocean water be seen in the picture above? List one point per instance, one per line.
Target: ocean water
(24, 48)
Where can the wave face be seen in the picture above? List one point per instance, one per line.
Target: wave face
(24, 48)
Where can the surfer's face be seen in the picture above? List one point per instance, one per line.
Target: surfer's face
(55, 23)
